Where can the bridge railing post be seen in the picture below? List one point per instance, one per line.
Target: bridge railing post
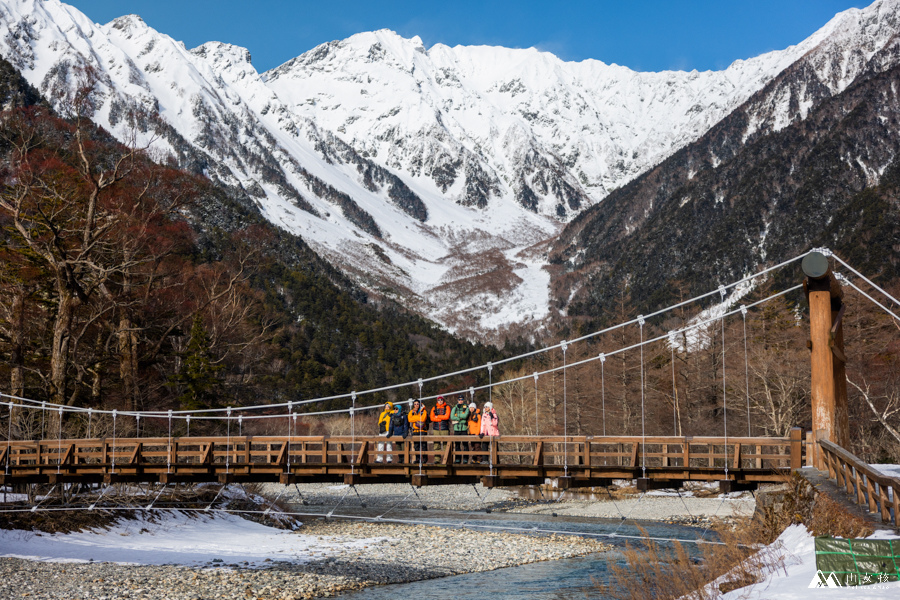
(796, 448)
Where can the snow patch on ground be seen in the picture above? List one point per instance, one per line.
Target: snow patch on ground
(174, 538)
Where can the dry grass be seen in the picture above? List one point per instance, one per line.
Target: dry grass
(821, 514)
(669, 571)
(830, 518)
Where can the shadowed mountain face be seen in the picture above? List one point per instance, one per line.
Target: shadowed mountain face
(743, 196)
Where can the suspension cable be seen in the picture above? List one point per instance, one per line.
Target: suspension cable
(290, 431)
(843, 279)
(724, 397)
(9, 439)
(498, 362)
(59, 444)
(434, 523)
(353, 434)
(490, 368)
(169, 446)
(550, 370)
(564, 346)
(602, 358)
(640, 320)
(422, 425)
(746, 369)
(860, 275)
(674, 388)
(112, 455)
(228, 441)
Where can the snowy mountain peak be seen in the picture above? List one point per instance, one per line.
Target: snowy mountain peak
(129, 24)
(223, 55)
(435, 176)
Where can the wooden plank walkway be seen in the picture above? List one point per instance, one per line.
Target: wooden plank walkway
(506, 460)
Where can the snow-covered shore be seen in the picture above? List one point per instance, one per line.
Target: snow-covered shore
(794, 553)
(177, 557)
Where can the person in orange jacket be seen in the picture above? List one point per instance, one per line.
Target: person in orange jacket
(475, 429)
(440, 417)
(418, 421)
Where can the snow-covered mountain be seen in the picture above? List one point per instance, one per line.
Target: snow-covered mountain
(434, 175)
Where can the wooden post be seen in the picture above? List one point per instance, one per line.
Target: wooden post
(796, 448)
(883, 502)
(810, 449)
(870, 492)
(828, 381)
(896, 495)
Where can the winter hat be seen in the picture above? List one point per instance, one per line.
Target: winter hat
(389, 405)
(440, 398)
(473, 406)
(488, 405)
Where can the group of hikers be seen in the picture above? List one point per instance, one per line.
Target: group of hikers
(462, 419)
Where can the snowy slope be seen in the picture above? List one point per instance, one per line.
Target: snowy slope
(433, 175)
(795, 577)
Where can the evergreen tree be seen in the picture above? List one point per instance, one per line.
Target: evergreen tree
(197, 377)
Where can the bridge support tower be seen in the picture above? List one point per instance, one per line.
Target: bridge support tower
(830, 418)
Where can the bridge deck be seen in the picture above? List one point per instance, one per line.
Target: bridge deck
(506, 460)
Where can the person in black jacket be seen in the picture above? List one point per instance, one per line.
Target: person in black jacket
(398, 426)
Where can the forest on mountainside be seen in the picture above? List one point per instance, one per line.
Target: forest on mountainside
(130, 284)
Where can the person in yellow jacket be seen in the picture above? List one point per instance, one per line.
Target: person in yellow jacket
(384, 421)
(418, 422)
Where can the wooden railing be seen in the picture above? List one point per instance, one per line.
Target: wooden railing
(167, 459)
(863, 483)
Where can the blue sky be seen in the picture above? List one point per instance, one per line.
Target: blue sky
(648, 35)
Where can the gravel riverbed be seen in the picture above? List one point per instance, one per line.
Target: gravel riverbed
(687, 510)
(405, 553)
(400, 495)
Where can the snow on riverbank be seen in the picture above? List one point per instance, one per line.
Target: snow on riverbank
(175, 539)
(791, 582)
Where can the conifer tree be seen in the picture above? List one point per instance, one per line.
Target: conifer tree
(197, 378)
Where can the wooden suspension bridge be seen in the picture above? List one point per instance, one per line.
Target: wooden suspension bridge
(572, 461)
(497, 461)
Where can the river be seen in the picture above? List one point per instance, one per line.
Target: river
(558, 580)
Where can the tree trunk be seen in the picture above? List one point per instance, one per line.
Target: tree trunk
(17, 373)
(128, 360)
(59, 352)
